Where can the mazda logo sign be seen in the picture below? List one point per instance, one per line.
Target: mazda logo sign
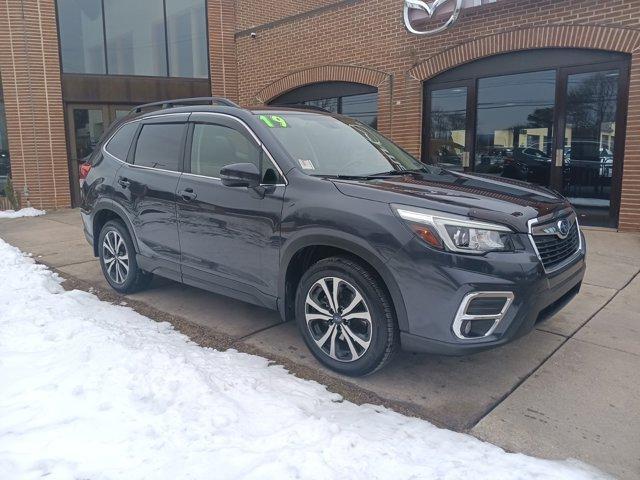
(430, 10)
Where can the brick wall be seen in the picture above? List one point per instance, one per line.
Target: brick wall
(30, 69)
(370, 34)
(252, 13)
(222, 48)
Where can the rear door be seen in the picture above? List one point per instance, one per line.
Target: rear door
(229, 235)
(146, 186)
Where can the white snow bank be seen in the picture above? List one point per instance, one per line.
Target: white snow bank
(89, 390)
(23, 212)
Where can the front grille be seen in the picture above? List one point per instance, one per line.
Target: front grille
(554, 250)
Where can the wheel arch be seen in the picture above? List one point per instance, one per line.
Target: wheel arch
(300, 254)
(109, 210)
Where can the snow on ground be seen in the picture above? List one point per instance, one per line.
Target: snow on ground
(90, 390)
(23, 212)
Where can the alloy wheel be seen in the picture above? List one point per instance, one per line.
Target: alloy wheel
(338, 319)
(115, 257)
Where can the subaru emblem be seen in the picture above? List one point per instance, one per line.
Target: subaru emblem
(563, 228)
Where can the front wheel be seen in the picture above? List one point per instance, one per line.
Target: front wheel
(346, 317)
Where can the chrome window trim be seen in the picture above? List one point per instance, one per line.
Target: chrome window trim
(576, 254)
(462, 316)
(206, 177)
(238, 120)
(255, 137)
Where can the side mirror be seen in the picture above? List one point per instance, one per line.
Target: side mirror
(240, 175)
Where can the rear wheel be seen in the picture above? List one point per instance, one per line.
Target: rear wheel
(118, 259)
(345, 317)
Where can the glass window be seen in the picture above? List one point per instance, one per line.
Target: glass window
(119, 144)
(135, 37)
(215, 146)
(81, 36)
(514, 112)
(448, 127)
(187, 38)
(160, 146)
(361, 107)
(88, 126)
(5, 166)
(345, 98)
(590, 142)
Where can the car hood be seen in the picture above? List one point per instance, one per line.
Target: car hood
(481, 197)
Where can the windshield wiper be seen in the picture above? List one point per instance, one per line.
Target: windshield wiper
(340, 177)
(392, 173)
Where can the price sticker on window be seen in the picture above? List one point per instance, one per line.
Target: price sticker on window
(274, 121)
(306, 164)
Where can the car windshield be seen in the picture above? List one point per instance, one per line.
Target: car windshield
(322, 145)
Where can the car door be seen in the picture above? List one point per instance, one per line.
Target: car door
(146, 187)
(229, 236)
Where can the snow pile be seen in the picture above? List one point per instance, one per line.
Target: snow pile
(23, 212)
(96, 391)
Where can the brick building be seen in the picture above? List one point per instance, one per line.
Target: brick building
(489, 89)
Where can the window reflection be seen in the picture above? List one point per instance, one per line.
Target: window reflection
(81, 39)
(135, 37)
(590, 140)
(89, 126)
(362, 107)
(514, 136)
(187, 38)
(447, 127)
(5, 166)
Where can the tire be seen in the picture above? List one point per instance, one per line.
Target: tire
(120, 269)
(366, 331)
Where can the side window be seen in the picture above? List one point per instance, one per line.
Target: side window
(160, 146)
(214, 146)
(119, 144)
(270, 175)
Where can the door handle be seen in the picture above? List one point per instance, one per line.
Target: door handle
(123, 182)
(188, 194)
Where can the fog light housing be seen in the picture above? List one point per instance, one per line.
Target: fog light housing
(480, 313)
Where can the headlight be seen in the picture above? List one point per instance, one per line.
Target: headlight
(456, 233)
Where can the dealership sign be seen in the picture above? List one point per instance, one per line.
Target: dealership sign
(417, 12)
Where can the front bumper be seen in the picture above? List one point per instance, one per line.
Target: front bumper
(436, 283)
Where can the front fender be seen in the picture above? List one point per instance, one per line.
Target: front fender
(344, 241)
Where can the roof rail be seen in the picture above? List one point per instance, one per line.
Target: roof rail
(185, 101)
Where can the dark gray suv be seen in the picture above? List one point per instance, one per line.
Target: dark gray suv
(330, 223)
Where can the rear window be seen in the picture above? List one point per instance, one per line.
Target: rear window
(160, 146)
(119, 144)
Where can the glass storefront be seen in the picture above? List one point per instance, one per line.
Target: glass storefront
(589, 145)
(484, 118)
(448, 127)
(143, 37)
(350, 99)
(514, 126)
